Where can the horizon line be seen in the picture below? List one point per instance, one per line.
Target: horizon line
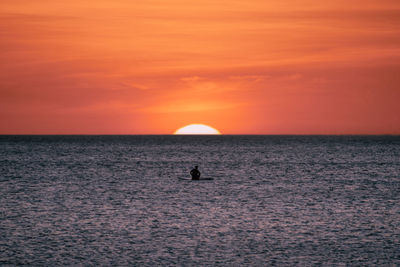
(316, 134)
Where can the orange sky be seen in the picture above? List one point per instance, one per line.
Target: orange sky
(243, 67)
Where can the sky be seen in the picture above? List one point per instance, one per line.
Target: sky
(242, 67)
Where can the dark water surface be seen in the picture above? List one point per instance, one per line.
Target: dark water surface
(274, 200)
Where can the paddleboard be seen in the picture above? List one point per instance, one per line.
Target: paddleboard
(201, 179)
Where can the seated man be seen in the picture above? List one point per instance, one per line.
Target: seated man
(195, 173)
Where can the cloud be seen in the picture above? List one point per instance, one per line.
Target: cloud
(192, 105)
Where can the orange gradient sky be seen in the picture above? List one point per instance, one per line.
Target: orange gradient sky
(243, 67)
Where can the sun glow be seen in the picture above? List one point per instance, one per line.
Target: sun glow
(197, 129)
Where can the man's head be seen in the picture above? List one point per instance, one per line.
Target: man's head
(196, 167)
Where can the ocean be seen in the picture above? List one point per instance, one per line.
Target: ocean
(129, 200)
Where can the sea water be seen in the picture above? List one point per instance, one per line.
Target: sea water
(274, 200)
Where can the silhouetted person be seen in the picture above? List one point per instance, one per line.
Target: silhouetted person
(195, 173)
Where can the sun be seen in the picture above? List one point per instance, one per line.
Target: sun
(197, 129)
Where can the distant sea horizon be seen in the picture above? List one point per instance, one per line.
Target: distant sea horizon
(50, 134)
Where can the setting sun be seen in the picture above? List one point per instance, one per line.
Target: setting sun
(197, 129)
